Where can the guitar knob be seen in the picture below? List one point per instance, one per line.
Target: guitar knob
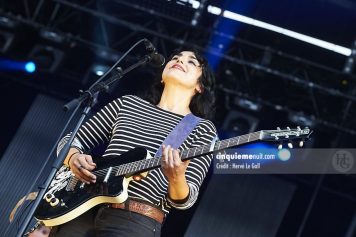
(301, 143)
(49, 196)
(290, 145)
(280, 146)
(54, 202)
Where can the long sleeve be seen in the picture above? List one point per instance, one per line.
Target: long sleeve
(97, 130)
(130, 122)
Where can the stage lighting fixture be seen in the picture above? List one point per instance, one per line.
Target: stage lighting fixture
(197, 14)
(250, 21)
(350, 61)
(47, 58)
(16, 66)
(30, 67)
(247, 104)
(100, 69)
(7, 22)
(107, 56)
(95, 71)
(214, 10)
(52, 36)
(300, 118)
(237, 123)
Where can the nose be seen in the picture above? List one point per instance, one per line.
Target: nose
(179, 59)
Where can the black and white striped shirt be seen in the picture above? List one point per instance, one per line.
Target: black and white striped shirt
(130, 122)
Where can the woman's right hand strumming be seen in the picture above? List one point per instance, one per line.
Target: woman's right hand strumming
(81, 165)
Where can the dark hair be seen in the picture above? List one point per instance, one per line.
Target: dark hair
(202, 104)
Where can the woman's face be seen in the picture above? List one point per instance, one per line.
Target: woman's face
(184, 70)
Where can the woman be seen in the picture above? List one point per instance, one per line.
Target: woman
(129, 122)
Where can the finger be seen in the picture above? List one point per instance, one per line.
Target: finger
(170, 159)
(89, 159)
(78, 171)
(89, 175)
(86, 173)
(83, 162)
(163, 161)
(165, 153)
(176, 158)
(81, 177)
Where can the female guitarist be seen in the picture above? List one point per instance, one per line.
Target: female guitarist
(187, 86)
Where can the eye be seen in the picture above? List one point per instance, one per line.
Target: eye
(192, 62)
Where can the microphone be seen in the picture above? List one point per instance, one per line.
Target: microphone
(154, 58)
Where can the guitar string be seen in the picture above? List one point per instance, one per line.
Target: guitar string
(185, 153)
(155, 161)
(127, 168)
(124, 168)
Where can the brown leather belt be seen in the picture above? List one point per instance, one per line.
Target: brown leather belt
(141, 208)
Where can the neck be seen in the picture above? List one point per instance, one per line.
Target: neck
(175, 100)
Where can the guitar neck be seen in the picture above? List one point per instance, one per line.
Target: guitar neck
(148, 164)
(220, 145)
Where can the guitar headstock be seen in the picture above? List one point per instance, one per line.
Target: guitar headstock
(288, 134)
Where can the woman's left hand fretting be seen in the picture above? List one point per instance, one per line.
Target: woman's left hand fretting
(172, 165)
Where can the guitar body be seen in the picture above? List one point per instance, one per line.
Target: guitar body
(72, 198)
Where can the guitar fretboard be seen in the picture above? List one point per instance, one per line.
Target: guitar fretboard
(155, 162)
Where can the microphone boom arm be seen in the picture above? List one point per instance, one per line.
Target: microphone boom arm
(104, 85)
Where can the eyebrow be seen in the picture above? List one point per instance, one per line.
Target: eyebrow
(193, 57)
(190, 56)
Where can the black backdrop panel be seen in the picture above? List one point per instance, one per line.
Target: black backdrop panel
(27, 152)
(241, 206)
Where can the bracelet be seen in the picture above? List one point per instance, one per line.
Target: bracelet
(71, 158)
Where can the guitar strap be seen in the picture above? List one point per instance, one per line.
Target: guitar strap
(181, 131)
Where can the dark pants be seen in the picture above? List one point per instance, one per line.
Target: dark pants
(109, 222)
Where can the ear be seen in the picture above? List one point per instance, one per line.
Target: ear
(199, 88)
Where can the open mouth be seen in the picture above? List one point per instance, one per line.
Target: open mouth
(177, 66)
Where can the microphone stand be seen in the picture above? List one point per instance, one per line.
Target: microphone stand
(87, 98)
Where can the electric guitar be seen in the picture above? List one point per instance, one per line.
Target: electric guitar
(67, 197)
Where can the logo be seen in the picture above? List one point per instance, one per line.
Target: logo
(343, 161)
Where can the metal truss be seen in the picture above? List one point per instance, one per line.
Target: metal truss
(63, 11)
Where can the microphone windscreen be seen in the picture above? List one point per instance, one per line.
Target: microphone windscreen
(157, 59)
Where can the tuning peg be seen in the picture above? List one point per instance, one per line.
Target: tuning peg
(290, 145)
(280, 146)
(278, 128)
(288, 128)
(298, 128)
(301, 143)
